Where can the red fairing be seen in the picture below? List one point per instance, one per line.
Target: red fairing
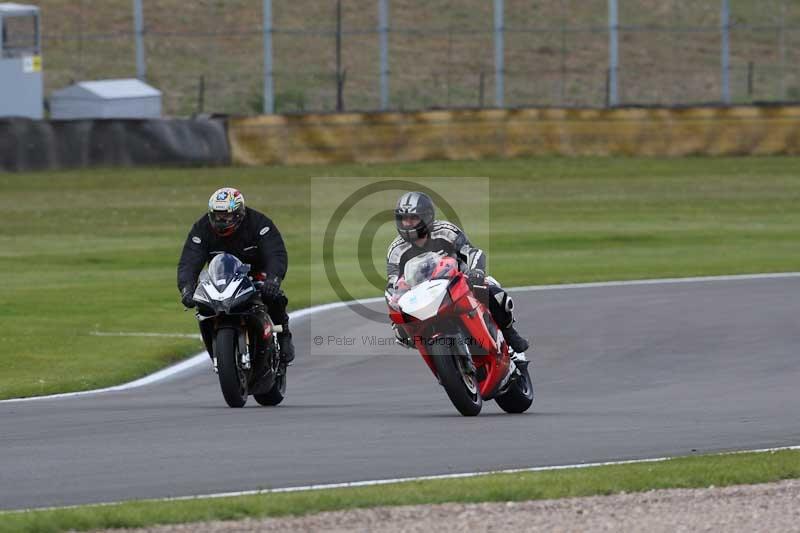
(474, 315)
(490, 353)
(460, 290)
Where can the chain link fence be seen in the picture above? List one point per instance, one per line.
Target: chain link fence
(208, 56)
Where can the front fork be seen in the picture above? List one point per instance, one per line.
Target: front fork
(244, 348)
(208, 329)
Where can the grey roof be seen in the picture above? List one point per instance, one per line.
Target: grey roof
(109, 89)
(10, 8)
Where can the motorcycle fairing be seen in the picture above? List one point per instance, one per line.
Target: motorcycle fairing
(423, 301)
(224, 285)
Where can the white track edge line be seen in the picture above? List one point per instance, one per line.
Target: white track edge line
(301, 313)
(375, 482)
(144, 334)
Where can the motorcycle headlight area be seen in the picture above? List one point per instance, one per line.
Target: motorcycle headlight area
(234, 294)
(242, 296)
(200, 295)
(424, 301)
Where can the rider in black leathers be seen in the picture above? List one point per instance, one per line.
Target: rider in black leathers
(420, 232)
(231, 227)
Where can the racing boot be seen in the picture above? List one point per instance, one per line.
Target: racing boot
(287, 346)
(514, 339)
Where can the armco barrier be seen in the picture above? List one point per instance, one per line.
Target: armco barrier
(39, 144)
(464, 134)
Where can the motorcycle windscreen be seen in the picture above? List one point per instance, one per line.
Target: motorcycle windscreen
(424, 300)
(221, 281)
(224, 268)
(420, 268)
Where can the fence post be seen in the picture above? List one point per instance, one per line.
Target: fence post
(613, 52)
(782, 53)
(201, 94)
(480, 89)
(138, 23)
(269, 94)
(724, 24)
(383, 34)
(499, 69)
(339, 76)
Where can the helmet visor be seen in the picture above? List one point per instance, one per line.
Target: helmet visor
(407, 221)
(222, 220)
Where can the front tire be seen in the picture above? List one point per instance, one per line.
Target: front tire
(461, 387)
(519, 396)
(232, 379)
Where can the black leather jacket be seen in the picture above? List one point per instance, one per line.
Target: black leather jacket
(256, 241)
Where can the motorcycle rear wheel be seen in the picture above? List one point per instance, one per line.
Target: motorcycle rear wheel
(519, 396)
(275, 395)
(232, 379)
(462, 388)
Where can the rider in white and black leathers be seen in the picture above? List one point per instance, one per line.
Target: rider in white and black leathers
(420, 232)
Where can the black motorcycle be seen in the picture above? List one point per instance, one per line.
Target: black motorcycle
(239, 334)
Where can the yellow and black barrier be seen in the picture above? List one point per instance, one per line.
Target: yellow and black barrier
(477, 134)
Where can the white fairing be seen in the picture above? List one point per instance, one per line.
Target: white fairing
(219, 296)
(423, 301)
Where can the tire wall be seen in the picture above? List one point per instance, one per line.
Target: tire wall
(59, 144)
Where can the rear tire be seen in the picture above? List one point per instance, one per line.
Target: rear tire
(275, 395)
(462, 388)
(232, 379)
(519, 396)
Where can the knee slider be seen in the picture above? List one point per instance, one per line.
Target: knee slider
(505, 301)
(509, 304)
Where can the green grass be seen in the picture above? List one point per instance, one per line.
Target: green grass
(688, 472)
(96, 250)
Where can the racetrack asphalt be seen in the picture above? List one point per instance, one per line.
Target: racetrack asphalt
(620, 372)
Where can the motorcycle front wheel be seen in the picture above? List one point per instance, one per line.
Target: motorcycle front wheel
(461, 385)
(232, 379)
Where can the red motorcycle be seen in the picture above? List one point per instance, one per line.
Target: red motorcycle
(457, 337)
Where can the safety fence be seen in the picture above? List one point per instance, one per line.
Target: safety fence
(253, 56)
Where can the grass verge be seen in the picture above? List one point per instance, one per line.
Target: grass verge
(96, 250)
(687, 472)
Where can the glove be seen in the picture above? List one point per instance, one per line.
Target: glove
(395, 291)
(476, 276)
(187, 296)
(271, 288)
(401, 337)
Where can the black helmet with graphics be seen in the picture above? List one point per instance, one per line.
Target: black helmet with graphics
(413, 204)
(226, 210)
